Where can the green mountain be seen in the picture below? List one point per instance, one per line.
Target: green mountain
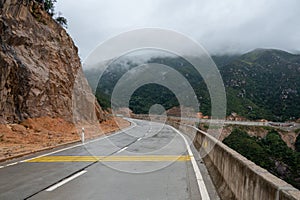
(263, 83)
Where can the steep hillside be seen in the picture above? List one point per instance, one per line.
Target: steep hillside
(269, 152)
(269, 80)
(39, 65)
(43, 91)
(263, 83)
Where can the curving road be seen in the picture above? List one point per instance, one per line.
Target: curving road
(146, 161)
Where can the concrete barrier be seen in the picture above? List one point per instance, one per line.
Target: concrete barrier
(234, 176)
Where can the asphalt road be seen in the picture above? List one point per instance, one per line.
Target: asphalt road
(146, 161)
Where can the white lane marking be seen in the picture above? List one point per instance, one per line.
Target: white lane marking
(123, 149)
(53, 187)
(1, 167)
(201, 184)
(139, 139)
(71, 147)
(11, 164)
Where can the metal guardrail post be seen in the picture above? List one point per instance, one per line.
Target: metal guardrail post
(82, 135)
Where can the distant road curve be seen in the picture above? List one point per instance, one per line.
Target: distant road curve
(285, 126)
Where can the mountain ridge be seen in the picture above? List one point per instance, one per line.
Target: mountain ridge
(251, 81)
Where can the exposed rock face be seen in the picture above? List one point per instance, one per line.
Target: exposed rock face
(39, 65)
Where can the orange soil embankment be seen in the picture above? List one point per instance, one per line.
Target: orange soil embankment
(37, 134)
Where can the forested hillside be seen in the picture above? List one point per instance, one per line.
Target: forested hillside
(265, 84)
(270, 152)
(261, 84)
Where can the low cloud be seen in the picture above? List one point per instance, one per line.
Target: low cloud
(228, 26)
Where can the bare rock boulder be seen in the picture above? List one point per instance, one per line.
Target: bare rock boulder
(39, 66)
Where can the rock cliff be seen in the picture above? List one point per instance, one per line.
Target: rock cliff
(39, 66)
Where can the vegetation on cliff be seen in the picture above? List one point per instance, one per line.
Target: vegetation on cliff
(269, 152)
(49, 7)
(297, 143)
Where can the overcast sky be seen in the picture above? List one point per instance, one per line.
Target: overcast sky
(221, 26)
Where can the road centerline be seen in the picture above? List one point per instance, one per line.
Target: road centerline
(53, 187)
(123, 149)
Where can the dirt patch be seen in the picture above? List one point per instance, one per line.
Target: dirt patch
(45, 132)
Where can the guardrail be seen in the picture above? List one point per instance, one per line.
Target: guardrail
(234, 176)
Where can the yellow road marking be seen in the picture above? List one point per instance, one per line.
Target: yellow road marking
(152, 158)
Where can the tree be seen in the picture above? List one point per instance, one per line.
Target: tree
(49, 6)
(62, 21)
(297, 143)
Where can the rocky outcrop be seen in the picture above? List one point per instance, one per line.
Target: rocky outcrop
(39, 65)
